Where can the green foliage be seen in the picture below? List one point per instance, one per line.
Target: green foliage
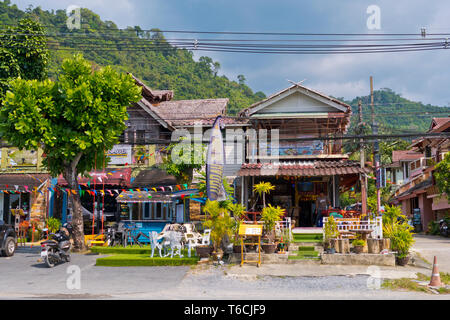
(82, 113)
(270, 215)
(263, 188)
(53, 224)
(358, 242)
(442, 175)
(396, 228)
(167, 68)
(141, 260)
(433, 228)
(182, 159)
(220, 222)
(330, 229)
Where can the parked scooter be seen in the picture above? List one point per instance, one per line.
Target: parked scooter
(443, 227)
(57, 249)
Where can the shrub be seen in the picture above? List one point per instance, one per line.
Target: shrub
(359, 242)
(270, 215)
(53, 224)
(331, 230)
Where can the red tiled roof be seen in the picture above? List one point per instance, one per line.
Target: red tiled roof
(439, 124)
(302, 168)
(398, 155)
(209, 122)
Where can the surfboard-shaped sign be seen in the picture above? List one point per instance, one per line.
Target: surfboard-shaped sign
(214, 164)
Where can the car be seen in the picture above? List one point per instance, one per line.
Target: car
(8, 239)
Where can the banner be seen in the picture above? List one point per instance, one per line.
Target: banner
(214, 164)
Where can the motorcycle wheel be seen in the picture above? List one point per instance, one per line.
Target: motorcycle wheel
(67, 258)
(49, 262)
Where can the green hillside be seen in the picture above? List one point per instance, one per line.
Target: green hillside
(151, 58)
(148, 56)
(396, 114)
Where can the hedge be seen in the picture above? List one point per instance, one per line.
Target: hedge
(139, 260)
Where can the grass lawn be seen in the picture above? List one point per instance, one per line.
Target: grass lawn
(411, 285)
(143, 260)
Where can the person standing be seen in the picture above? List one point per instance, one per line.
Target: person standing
(321, 204)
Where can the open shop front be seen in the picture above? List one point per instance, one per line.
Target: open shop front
(145, 211)
(308, 191)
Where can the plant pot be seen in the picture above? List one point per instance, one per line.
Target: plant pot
(269, 247)
(358, 249)
(203, 251)
(402, 261)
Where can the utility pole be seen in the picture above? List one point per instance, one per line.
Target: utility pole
(376, 151)
(362, 176)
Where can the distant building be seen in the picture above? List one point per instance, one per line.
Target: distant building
(418, 191)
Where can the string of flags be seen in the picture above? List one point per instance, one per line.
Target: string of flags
(90, 191)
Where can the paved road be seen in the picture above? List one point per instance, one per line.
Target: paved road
(430, 246)
(22, 276)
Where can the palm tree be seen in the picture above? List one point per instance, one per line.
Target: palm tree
(263, 188)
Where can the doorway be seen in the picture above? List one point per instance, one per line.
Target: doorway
(306, 213)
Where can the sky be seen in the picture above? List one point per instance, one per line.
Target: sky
(418, 76)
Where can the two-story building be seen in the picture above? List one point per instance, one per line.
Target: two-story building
(418, 191)
(302, 155)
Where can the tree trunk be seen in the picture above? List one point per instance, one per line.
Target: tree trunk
(70, 174)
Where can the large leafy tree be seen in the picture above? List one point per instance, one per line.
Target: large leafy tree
(74, 120)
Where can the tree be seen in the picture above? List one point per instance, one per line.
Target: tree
(182, 159)
(262, 188)
(442, 176)
(75, 120)
(23, 53)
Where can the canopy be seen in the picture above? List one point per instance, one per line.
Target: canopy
(148, 196)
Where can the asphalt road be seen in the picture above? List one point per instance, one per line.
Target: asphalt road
(23, 277)
(430, 246)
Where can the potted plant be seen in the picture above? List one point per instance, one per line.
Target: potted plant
(397, 229)
(359, 245)
(330, 232)
(220, 222)
(270, 215)
(238, 212)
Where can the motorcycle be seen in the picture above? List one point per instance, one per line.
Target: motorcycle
(443, 227)
(57, 249)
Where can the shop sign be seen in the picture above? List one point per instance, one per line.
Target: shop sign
(250, 230)
(120, 154)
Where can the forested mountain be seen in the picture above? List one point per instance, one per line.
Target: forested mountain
(147, 55)
(396, 114)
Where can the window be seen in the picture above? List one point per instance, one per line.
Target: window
(147, 211)
(158, 211)
(140, 136)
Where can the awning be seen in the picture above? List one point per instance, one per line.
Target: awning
(110, 176)
(8, 181)
(303, 168)
(149, 196)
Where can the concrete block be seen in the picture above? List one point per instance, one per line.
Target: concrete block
(359, 259)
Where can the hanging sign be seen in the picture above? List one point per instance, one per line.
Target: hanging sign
(120, 154)
(214, 164)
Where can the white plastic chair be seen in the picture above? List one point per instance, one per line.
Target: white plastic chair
(154, 243)
(206, 237)
(175, 244)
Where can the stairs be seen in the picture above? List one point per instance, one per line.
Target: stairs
(306, 246)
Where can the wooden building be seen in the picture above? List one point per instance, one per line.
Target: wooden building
(298, 158)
